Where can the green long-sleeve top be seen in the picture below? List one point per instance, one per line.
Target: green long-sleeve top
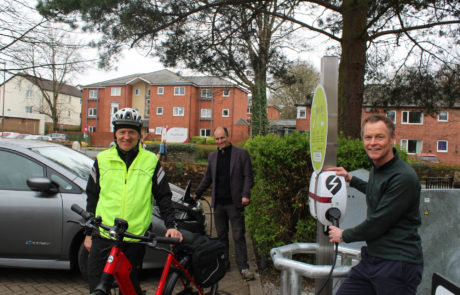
(391, 227)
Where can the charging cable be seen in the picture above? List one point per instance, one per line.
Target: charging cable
(333, 215)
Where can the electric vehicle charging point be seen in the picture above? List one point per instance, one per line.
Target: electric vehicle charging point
(327, 191)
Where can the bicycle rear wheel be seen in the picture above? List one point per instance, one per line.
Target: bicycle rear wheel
(177, 283)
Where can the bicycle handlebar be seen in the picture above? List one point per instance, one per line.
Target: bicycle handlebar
(95, 222)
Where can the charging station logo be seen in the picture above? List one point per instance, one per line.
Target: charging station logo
(333, 184)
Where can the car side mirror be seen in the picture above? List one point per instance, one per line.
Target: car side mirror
(42, 184)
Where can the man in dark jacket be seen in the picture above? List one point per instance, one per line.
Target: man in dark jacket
(230, 171)
(392, 262)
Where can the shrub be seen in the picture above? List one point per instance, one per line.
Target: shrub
(279, 212)
(198, 140)
(210, 140)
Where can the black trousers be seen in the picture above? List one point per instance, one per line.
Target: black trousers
(222, 215)
(373, 275)
(99, 253)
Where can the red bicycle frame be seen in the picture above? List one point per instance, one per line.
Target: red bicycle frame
(119, 266)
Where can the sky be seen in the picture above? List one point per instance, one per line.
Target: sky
(132, 62)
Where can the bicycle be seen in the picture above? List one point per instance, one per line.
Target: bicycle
(176, 277)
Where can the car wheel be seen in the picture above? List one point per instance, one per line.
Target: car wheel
(83, 260)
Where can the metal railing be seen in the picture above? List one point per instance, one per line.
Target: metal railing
(439, 182)
(292, 271)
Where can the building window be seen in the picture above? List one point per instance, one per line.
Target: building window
(92, 112)
(70, 99)
(248, 110)
(443, 116)
(92, 128)
(29, 109)
(115, 91)
(205, 132)
(68, 113)
(179, 91)
(178, 111)
(391, 115)
(29, 94)
(160, 111)
(225, 113)
(206, 113)
(412, 117)
(301, 112)
(92, 94)
(206, 93)
(147, 107)
(226, 92)
(161, 91)
(412, 146)
(442, 146)
(158, 130)
(137, 92)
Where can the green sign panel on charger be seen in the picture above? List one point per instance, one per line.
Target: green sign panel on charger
(318, 128)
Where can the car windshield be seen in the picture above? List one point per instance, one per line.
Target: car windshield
(74, 161)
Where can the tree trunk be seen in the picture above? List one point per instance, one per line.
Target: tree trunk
(352, 66)
(259, 107)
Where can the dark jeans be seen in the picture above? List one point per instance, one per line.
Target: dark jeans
(222, 215)
(381, 277)
(99, 253)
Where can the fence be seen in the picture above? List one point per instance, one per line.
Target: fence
(439, 182)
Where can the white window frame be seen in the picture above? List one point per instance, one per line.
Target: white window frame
(114, 107)
(205, 132)
(407, 113)
(160, 111)
(179, 91)
(115, 91)
(394, 115)
(93, 94)
(92, 112)
(148, 92)
(29, 93)
(137, 92)
(446, 113)
(223, 113)
(404, 143)
(299, 112)
(206, 113)
(439, 150)
(161, 90)
(158, 130)
(206, 93)
(178, 111)
(226, 92)
(92, 128)
(29, 109)
(248, 111)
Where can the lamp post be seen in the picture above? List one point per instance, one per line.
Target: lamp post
(3, 98)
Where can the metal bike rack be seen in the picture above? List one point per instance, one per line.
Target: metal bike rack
(291, 270)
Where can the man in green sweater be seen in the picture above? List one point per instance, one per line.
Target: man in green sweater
(392, 261)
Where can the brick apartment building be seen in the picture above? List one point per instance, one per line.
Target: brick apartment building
(166, 100)
(416, 131)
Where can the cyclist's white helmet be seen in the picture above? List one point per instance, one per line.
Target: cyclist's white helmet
(127, 118)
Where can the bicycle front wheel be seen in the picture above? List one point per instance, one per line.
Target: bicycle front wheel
(178, 283)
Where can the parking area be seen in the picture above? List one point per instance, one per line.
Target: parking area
(48, 282)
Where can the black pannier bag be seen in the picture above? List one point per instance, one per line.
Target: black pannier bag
(208, 260)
